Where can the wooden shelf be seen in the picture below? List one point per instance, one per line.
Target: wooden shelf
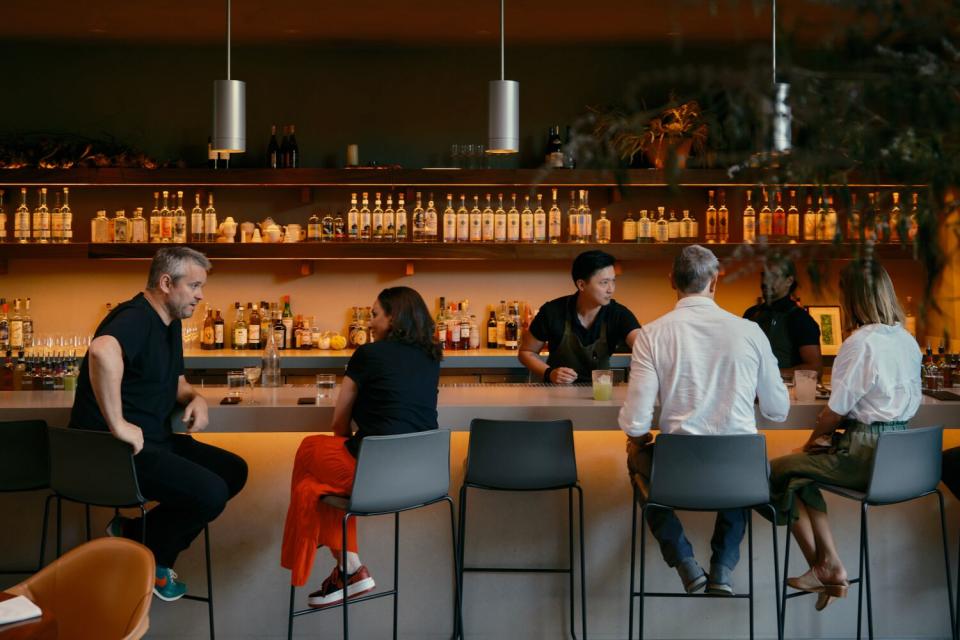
(409, 251)
(386, 178)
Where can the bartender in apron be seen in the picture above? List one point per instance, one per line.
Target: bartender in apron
(581, 330)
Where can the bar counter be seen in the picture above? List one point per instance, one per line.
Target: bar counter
(277, 409)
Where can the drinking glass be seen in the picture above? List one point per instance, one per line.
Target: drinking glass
(326, 383)
(603, 384)
(252, 375)
(805, 385)
(236, 381)
(455, 155)
(470, 157)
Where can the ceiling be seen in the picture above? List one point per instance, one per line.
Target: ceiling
(408, 22)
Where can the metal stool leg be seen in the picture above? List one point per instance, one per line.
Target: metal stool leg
(460, 553)
(206, 545)
(583, 569)
(633, 563)
(293, 590)
(343, 571)
(776, 568)
(750, 567)
(783, 585)
(866, 570)
(570, 562)
(396, 571)
(946, 565)
(456, 570)
(643, 547)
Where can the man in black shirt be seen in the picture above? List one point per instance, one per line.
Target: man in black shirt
(793, 334)
(130, 382)
(580, 330)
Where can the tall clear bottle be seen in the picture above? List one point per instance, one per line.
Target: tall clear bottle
(539, 221)
(661, 232)
(449, 221)
(401, 220)
(430, 220)
(711, 226)
(166, 220)
(3, 219)
(155, 218)
(821, 220)
(476, 221)
(419, 221)
(573, 222)
(585, 218)
(353, 219)
(463, 221)
(749, 220)
(270, 364)
(16, 327)
(526, 221)
(673, 226)
(687, 232)
(67, 214)
(56, 222)
(554, 220)
(723, 219)
(831, 227)
(513, 220)
(180, 221)
(21, 221)
(41, 219)
(210, 221)
(366, 219)
(487, 222)
(500, 221)
(196, 220)
(376, 219)
(389, 221)
(27, 326)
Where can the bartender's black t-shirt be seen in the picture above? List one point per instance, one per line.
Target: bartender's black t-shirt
(548, 325)
(152, 366)
(397, 390)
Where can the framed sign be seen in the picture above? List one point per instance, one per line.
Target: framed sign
(828, 319)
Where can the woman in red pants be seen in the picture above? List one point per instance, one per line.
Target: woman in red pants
(390, 387)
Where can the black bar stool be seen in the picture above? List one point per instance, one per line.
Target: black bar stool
(906, 467)
(95, 469)
(25, 466)
(506, 455)
(705, 473)
(394, 474)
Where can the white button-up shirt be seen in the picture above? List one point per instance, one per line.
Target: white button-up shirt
(876, 375)
(706, 366)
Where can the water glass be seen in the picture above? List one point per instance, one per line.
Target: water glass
(236, 382)
(603, 384)
(805, 385)
(326, 383)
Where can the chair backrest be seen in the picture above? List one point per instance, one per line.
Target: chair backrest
(521, 455)
(93, 467)
(710, 472)
(24, 455)
(103, 587)
(401, 471)
(906, 465)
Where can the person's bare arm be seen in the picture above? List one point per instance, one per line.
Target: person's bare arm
(810, 359)
(827, 423)
(632, 337)
(528, 357)
(105, 366)
(344, 408)
(196, 414)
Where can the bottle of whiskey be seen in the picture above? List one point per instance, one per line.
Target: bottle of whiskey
(500, 221)
(492, 331)
(366, 220)
(196, 220)
(240, 332)
(749, 221)
(573, 221)
(821, 220)
(98, 227)
(218, 331)
(526, 221)
(67, 214)
(554, 224)
(27, 325)
(644, 228)
(662, 227)
(56, 221)
(449, 221)
(539, 221)
(673, 227)
(476, 221)
(430, 221)
(809, 221)
(287, 319)
(831, 228)
(711, 230)
(41, 220)
(180, 221)
(166, 220)
(16, 327)
(779, 219)
(253, 327)
(389, 221)
(487, 222)
(401, 220)
(603, 228)
(210, 221)
(765, 219)
(419, 222)
(463, 221)
(723, 219)
(21, 221)
(584, 218)
(376, 219)
(687, 232)
(155, 218)
(513, 220)
(121, 227)
(266, 323)
(314, 228)
(793, 218)
(511, 335)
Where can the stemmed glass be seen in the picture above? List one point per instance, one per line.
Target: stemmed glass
(252, 374)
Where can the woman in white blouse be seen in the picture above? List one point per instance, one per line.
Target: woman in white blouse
(875, 388)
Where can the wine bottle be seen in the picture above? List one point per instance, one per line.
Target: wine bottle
(273, 149)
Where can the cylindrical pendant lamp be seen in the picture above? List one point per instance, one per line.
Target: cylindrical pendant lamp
(503, 130)
(229, 109)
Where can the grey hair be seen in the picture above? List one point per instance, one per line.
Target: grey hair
(694, 268)
(172, 261)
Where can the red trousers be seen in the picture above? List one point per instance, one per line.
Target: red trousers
(323, 466)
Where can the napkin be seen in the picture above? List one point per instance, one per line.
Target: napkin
(18, 609)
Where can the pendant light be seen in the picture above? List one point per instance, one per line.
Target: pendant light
(503, 129)
(229, 109)
(782, 116)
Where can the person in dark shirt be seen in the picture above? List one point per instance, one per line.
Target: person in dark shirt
(793, 334)
(390, 387)
(131, 380)
(581, 330)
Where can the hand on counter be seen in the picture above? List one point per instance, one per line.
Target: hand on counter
(196, 415)
(131, 434)
(563, 375)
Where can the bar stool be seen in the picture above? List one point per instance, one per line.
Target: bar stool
(705, 473)
(25, 466)
(906, 467)
(94, 468)
(394, 474)
(507, 455)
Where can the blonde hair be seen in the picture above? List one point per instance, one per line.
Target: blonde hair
(867, 295)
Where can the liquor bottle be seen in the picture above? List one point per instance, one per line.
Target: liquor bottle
(603, 228)
(155, 218)
(513, 221)
(56, 222)
(166, 220)
(240, 332)
(492, 331)
(121, 227)
(686, 227)
(273, 149)
(831, 228)
(253, 327)
(554, 153)
(419, 222)
(449, 221)
(854, 220)
(465, 328)
(723, 219)
(441, 323)
(913, 223)
(711, 230)
(285, 148)
(278, 328)
(41, 218)
(463, 221)
(314, 232)
(339, 230)
(584, 218)
(210, 221)
(779, 219)
(293, 152)
(206, 333)
(673, 227)
(196, 220)
(287, 320)
(16, 327)
(500, 221)
(376, 219)
(27, 325)
(476, 221)
(821, 220)
(526, 221)
(21, 221)
(67, 213)
(303, 333)
(765, 219)
(793, 218)
(539, 221)
(180, 221)
(3, 219)
(749, 221)
(502, 324)
(487, 222)
(662, 228)
(4, 326)
(809, 221)
(573, 222)
(430, 221)
(644, 228)
(554, 224)
(511, 335)
(353, 219)
(270, 365)
(98, 227)
(266, 322)
(453, 328)
(871, 219)
(401, 220)
(218, 330)
(389, 221)
(896, 218)
(366, 220)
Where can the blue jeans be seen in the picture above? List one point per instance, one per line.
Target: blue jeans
(666, 527)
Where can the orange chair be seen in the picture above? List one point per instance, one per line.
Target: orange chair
(101, 589)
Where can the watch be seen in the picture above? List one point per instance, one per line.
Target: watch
(546, 374)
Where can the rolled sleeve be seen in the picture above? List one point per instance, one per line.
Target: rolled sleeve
(771, 392)
(636, 415)
(852, 376)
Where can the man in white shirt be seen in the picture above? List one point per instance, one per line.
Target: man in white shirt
(706, 367)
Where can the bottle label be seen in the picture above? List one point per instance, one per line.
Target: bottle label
(492, 335)
(749, 229)
(449, 228)
(218, 334)
(16, 334)
(253, 333)
(240, 338)
(208, 337)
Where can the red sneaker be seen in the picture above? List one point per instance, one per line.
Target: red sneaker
(331, 592)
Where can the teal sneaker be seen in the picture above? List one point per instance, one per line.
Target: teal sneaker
(118, 526)
(166, 586)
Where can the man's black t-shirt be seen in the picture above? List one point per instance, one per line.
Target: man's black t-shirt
(152, 366)
(397, 387)
(548, 325)
(802, 329)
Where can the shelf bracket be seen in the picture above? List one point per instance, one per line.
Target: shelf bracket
(408, 270)
(306, 267)
(306, 195)
(4, 266)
